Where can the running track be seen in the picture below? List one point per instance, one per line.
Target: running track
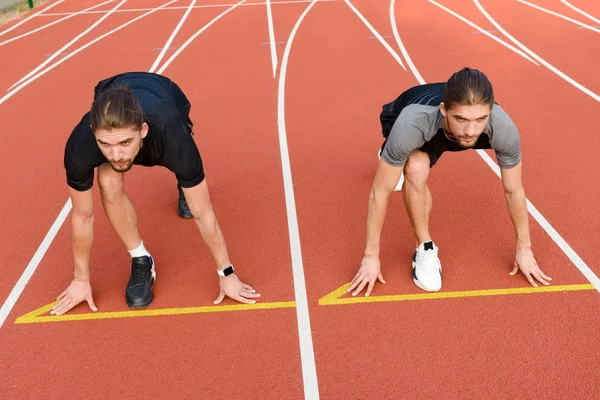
(288, 128)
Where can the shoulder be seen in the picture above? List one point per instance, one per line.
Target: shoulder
(499, 119)
(81, 135)
(82, 155)
(501, 127)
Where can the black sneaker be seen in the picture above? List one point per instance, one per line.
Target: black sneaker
(182, 207)
(139, 288)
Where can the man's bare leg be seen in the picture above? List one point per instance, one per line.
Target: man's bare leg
(123, 218)
(427, 273)
(118, 207)
(416, 195)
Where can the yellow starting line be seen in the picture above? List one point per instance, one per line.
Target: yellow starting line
(37, 315)
(334, 298)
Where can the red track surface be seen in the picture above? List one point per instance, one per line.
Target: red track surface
(540, 345)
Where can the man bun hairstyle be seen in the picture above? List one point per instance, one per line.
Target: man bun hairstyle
(116, 108)
(468, 87)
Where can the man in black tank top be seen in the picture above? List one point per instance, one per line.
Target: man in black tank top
(137, 118)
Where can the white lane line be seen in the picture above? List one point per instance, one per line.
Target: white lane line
(205, 27)
(400, 44)
(376, 34)
(66, 46)
(53, 23)
(33, 263)
(466, 21)
(307, 355)
(538, 58)
(202, 6)
(30, 17)
(17, 290)
(68, 56)
(272, 38)
(172, 37)
(562, 244)
(580, 11)
(591, 28)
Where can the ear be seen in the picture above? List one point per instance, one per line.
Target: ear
(144, 130)
(443, 109)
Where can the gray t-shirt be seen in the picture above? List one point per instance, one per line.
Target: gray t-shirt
(417, 124)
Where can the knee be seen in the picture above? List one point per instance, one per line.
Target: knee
(110, 183)
(416, 170)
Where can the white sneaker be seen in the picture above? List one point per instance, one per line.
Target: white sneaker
(427, 269)
(398, 187)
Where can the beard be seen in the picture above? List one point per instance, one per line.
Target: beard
(467, 145)
(124, 168)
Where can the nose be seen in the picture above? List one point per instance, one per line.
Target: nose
(472, 130)
(116, 154)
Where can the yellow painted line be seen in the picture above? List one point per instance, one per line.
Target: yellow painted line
(37, 315)
(333, 298)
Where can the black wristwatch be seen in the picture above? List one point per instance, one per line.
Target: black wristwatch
(226, 271)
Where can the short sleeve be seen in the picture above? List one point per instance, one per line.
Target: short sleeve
(506, 140)
(81, 156)
(181, 155)
(405, 137)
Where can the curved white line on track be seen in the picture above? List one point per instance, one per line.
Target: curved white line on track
(562, 244)
(580, 11)
(309, 371)
(400, 44)
(538, 58)
(66, 46)
(376, 34)
(172, 37)
(68, 56)
(54, 23)
(272, 38)
(30, 17)
(486, 33)
(195, 35)
(586, 26)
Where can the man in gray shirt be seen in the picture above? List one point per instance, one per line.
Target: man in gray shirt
(419, 126)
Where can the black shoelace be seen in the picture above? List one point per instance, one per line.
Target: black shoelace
(140, 275)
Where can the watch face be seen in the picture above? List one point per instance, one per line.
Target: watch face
(228, 271)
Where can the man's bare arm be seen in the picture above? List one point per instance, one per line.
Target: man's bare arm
(517, 207)
(82, 232)
(198, 200)
(386, 179)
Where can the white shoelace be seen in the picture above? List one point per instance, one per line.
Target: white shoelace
(427, 260)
